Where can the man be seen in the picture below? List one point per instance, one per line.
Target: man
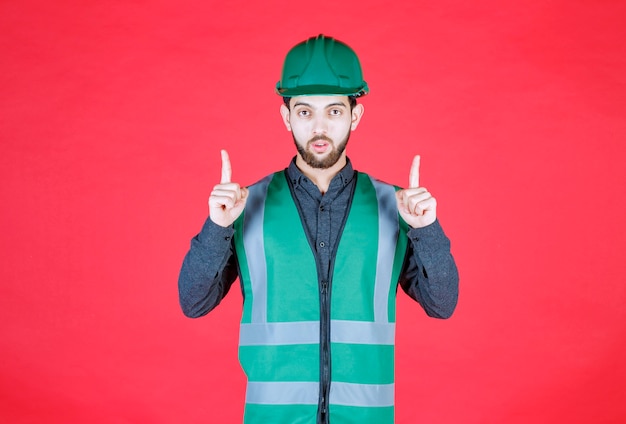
(319, 249)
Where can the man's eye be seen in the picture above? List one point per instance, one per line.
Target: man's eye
(335, 112)
(303, 113)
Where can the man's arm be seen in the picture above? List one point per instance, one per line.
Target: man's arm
(210, 266)
(430, 275)
(208, 270)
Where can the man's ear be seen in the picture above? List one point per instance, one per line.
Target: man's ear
(357, 113)
(284, 112)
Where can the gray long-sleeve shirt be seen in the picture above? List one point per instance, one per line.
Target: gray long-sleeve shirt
(210, 267)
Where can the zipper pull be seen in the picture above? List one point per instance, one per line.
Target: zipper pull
(324, 286)
(324, 413)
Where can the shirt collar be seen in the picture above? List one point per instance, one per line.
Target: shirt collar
(345, 175)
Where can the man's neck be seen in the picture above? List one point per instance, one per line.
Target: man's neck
(321, 177)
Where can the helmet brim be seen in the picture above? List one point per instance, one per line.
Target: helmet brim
(321, 90)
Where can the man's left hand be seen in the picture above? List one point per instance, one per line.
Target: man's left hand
(416, 205)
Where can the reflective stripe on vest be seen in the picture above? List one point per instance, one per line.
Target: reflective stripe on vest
(305, 332)
(304, 392)
(280, 328)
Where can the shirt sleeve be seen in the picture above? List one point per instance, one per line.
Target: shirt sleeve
(208, 270)
(430, 275)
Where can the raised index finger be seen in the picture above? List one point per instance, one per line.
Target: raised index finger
(227, 171)
(414, 175)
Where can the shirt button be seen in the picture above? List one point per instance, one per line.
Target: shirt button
(322, 244)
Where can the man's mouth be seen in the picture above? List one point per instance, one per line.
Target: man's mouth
(320, 145)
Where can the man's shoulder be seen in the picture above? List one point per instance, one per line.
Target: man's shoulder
(375, 180)
(266, 179)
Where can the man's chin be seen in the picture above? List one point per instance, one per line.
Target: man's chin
(321, 160)
(328, 161)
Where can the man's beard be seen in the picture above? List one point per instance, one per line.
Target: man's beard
(329, 160)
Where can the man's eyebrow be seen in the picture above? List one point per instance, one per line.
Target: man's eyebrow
(325, 107)
(335, 104)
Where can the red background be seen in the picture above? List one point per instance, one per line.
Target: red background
(112, 115)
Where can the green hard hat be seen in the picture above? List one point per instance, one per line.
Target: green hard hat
(321, 65)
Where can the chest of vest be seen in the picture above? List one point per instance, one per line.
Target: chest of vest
(316, 350)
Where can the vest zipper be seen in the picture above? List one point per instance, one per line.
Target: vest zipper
(324, 351)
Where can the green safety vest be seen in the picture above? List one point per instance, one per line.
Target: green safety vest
(284, 298)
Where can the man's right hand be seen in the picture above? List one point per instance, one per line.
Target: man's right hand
(227, 199)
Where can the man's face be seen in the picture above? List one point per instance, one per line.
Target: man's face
(321, 127)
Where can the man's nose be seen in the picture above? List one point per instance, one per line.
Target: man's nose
(320, 126)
